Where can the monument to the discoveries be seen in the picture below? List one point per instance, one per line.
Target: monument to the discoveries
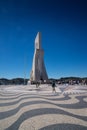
(38, 68)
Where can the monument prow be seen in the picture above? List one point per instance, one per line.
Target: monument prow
(38, 41)
(38, 68)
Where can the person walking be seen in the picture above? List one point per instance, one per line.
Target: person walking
(53, 86)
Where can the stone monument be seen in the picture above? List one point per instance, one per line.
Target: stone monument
(38, 72)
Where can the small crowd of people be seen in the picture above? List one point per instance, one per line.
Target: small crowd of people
(53, 84)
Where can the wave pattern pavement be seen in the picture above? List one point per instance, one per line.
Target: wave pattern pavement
(31, 108)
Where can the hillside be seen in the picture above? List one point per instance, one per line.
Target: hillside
(69, 80)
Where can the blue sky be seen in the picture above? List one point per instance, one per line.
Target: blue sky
(63, 24)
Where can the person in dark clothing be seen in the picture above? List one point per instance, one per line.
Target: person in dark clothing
(53, 86)
(37, 84)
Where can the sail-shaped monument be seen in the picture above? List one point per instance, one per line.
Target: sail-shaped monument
(38, 71)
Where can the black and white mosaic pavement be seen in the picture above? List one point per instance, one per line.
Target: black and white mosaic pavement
(31, 108)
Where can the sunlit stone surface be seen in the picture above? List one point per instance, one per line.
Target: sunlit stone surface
(38, 68)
